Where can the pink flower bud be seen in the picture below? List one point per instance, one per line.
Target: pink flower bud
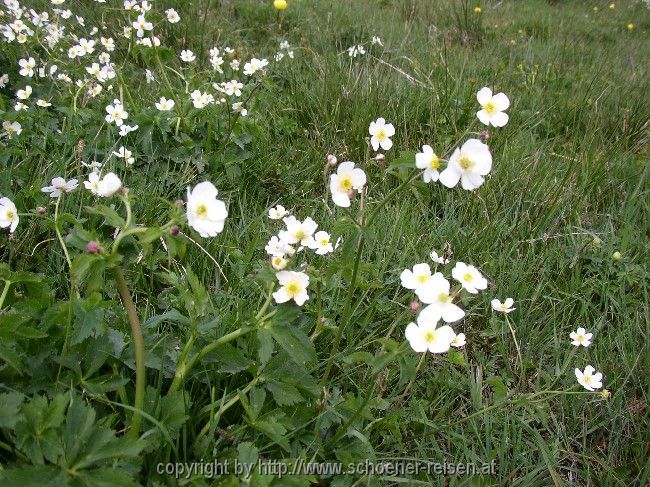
(40, 210)
(179, 203)
(93, 247)
(351, 194)
(380, 157)
(485, 135)
(174, 230)
(415, 305)
(332, 160)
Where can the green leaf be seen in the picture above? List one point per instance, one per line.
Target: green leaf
(111, 217)
(9, 355)
(9, 406)
(247, 453)
(456, 357)
(89, 317)
(498, 387)
(284, 394)
(265, 350)
(295, 343)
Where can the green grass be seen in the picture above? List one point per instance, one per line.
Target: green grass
(570, 165)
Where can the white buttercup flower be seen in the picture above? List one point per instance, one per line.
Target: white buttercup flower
(347, 178)
(469, 165)
(297, 231)
(277, 213)
(435, 293)
(418, 277)
(205, 213)
(588, 379)
(430, 162)
(580, 337)
(425, 335)
(381, 132)
(459, 341)
(8, 214)
(294, 286)
(469, 277)
(493, 107)
(60, 186)
(505, 307)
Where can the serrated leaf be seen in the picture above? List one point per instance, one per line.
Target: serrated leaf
(111, 217)
(89, 318)
(295, 343)
(284, 394)
(10, 404)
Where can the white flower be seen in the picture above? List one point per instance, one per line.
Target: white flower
(125, 154)
(468, 165)
(435, 293)
(354, 51)
(505, 307)
(278, 247)
(164, 105)
(284, 44)
(205, 213)
(469, 277)
(94, 166)
(116, 113)
(293, 286)
(106, 187)
(20, 106)
(188, 56)
(430, 162)
(425, 335)
(200, 99)
(254, 65)
(60, 186)
(108, 43)
(278, 263)
(4, 79)
(438, 259)
(381, 133)
(8, 214)
(27, 67)
(321, 243)
(277, 212)
(377, 40)
(297, 231)
(11, 128)
(493, 107)
(172, 16)
(588, 379)
(127, 129)
(346, 179)
(418, 277)
(459, 341)
(86, 46)
(149, 76)
(238, 107)
(580, 337)
(24, 93)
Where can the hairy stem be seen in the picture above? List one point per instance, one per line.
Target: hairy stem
(138, 343)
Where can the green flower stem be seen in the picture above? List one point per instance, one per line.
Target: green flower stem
(138, 343)
(410, 384)
(5, 291)
(390, 196)
(185, 366)
(345, 317)
(58, 233)
(522, 371)
(225, 407)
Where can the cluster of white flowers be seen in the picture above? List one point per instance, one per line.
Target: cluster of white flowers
(356, 50)
(281, 247)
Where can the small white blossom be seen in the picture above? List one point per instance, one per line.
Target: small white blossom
(60, 186)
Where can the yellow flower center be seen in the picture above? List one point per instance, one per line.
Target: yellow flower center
(292, 288)
(444, 298)
(300, 234)
(429, 336)
(10, 129)
(202, 210)
(466, 163)
(580, 338)
(10, 215)
(586, 379)
(468, 277)
(345, 183)
(381, 134)
(434, 162)
(490, 108)
(324, 242)
(422, 278)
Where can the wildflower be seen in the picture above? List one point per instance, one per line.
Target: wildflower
(149, 76)
(617, 256)
(430, 162)
(8, 214)
(293, 286)
(376, 40)
(332, 160)
(484, 135)
(4, 79)
(278, 212)
(493, 107)
(418, 277)
(188, 56)
(347, 178)
(172, 16)
(381, 133)
(127, 129)
(280, 4)
(630, 26)
(580, 337)
(24, 93)
(205, 213)
(321, 243)
(435, 293)
(468, 164)
(605, 394)
(164, 105)
(459, 341)
(116, 113)
(425, 335)
(11, 128)
(125, 154)
(94, 166)
(254, 65)
(278, 263)
(438, 259)
(415, 305)
(297, 231)
(20, 106)
(612, 6)
(469, 277)
(60, 186)
(358, 50)
(477, 10)
(278, 248)
(94, 247)
(109, 185)
(238, 107)
(588, 379)
(200, 99)
(505, 307)
(27, 67)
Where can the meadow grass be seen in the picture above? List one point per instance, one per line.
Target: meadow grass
(570, 167)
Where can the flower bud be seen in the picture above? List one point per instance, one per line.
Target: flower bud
(174, 230)
(484, 135)
(332, 160)
(605, 394)
(380, 157)
(351, 194)
(179, 203)
(415, 305)
(93, 247)
(41, 210)
(617, 256)
(323, 320)
(596, 241)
